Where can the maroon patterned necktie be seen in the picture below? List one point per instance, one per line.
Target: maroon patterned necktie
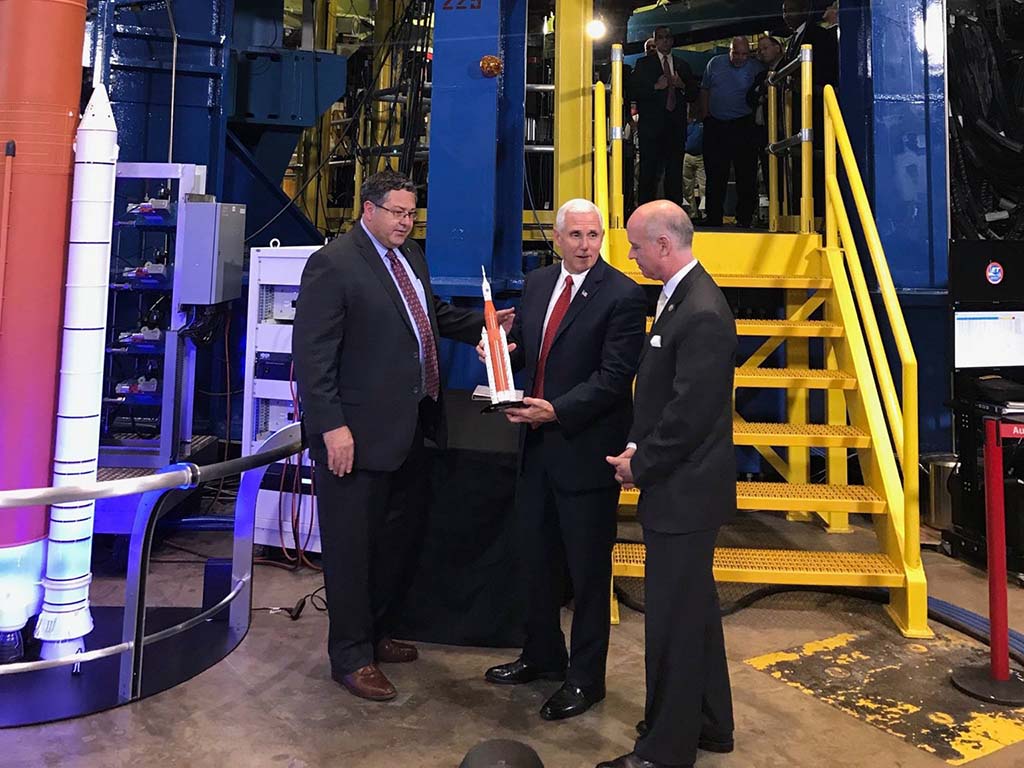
(431, 377)
(557, 313)
(670, 97)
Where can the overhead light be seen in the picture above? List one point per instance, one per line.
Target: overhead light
(596, 29)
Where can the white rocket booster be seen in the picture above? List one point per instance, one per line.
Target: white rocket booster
(66, 618)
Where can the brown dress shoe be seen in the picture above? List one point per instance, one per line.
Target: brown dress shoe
(393, 652)
(368, 683)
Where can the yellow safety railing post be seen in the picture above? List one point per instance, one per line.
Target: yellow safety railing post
(806, 140)
(787, 124)
(773, 159)
(601, 160)
(616, 202)
(574, 78)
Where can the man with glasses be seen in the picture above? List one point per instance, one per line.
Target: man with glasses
(365, 348)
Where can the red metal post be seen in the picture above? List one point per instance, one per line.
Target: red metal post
(995, 543)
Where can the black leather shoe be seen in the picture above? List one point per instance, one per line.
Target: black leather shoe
(519, 671)
(632, 760)
(569, 701)
(707, 742)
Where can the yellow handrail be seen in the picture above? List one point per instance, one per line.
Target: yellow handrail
(902, 423)
(601, 160)
(616, 200)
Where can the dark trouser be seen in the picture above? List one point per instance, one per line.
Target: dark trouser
(557, 528)
(730, 144)
(662, 143)
(688, 689)
(371, 525)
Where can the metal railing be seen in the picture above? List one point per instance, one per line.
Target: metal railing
(901, 420)
(778, 210)
(160, 494)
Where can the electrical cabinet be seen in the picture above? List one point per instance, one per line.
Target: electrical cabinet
(285, 513)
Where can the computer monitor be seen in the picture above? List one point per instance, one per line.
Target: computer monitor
(988, 339)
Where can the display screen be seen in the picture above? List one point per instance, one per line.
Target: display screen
(988, 339)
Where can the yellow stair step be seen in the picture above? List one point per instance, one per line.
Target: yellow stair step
(780, 566)
(795, 497)
(798, 435)
(726, 280)
(808, 497)
(789, 328)
(792, 378)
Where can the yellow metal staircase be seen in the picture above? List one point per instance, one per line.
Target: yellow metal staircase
(827, 301)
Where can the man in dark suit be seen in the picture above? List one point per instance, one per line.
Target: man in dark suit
(663, 84)
(364, 345)
(680, 456)
(801, 17)
(578, 334)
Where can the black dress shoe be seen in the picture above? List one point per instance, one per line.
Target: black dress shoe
(568, 701)
(707, 742)
(519, 671)
(632, 760)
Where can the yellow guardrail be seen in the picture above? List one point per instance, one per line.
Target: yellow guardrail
(901, 419)
(779, 219)
(601, 160)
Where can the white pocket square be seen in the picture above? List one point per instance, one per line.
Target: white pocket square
(656, 341)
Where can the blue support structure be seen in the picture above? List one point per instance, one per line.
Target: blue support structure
(241, 99)
(476, 155)
(474, 216)
(893, 95)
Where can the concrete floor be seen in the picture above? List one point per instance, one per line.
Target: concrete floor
(271, 702)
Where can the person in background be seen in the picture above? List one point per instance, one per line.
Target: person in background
(663, 84)
(729, 139)
(694, 179)
(769, 53)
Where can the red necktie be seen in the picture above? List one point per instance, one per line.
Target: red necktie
(670, 98)
(431, 377)
(560, 308)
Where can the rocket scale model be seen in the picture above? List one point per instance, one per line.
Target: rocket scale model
(503, 393)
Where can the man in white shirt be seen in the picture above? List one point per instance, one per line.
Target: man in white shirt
(577, 337)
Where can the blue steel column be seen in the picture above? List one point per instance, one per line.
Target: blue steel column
(508, 252)
(892, 58)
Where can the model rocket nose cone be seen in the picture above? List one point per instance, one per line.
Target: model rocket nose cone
(98, 115)
(483, 271)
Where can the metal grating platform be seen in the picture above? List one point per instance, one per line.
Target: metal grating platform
(789, 378)
(772, 281)
(796, 328)
(808, 497)
(799, 435)
(780, 566)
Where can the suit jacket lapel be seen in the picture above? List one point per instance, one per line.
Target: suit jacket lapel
(376, 263)
(584, 295)
(677, 297)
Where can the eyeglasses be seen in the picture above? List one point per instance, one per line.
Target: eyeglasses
(410, 215)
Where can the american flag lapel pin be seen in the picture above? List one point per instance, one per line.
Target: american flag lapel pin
(585, 294)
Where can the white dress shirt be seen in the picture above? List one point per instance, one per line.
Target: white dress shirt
(577, 281)
(670, 286)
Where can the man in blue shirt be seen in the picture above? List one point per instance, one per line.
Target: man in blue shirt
(729, 132)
